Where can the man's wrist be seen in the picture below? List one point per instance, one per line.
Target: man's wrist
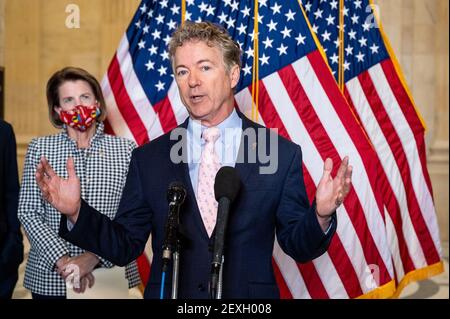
(73, 218)
(323, 217)
(324, 221)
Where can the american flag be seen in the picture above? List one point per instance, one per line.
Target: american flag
(380, 98)
(297, 95)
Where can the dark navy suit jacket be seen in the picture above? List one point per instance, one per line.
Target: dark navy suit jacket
(11, 246)
(267, 205)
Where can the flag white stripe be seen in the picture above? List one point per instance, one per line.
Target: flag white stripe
(393, 243)
(136, 93)
(244, 103)
(179, 110)
(115, 119)
(406, 136)
(295, 127)
(329, 277)
(352, 246)
(389, 165)
(299, 135)
(291, 273)
(344, 146)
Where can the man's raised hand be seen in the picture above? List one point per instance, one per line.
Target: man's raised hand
(62, 194)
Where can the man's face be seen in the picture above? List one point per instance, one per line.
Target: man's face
(206, 88)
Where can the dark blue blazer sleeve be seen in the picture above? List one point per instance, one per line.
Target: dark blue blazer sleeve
(11, 246)
(120, 240)
(298, 231)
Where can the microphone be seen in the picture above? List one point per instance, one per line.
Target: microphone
(226, 188)
(176, 193)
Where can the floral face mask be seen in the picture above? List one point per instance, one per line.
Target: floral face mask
(81, 117)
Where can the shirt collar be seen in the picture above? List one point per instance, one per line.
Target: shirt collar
(99, 132)
(233, 121)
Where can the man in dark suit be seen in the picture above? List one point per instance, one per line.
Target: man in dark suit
(11, 246)
(206, 64)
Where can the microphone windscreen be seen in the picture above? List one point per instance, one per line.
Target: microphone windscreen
(227, 183)
(175, 185)
(176, 192)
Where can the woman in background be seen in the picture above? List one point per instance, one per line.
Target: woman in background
(76, 106)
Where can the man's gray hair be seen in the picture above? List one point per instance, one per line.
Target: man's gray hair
(213, 35)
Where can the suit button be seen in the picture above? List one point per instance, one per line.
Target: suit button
(201, 287)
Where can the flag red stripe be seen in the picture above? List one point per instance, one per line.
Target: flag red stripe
(311, 277)
(312, 281)
(361, 141)
(393, 209)
(367, 154)
(124, 104)
(344, 266)
(326, 149)
(396, 147)
(337, 254)
(352, 107)
(269, 114)
(271, 118)
(165, 113)
(108, 127)
(143, 268)
(410, 114)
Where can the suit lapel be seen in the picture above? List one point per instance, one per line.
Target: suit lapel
(247, 150)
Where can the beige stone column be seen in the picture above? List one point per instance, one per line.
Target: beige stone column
(23, 87)
(438, 158)
(2, 33)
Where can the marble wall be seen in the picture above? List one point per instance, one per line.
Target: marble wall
(35, 41)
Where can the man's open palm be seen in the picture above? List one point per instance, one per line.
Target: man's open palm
(62, 194)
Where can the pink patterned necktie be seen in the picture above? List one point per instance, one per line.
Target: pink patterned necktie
(209, 165)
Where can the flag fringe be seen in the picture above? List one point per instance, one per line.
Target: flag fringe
(383, 292)
(418, 275)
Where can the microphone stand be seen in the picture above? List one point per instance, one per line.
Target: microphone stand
(176, 266)
(172, 251)
(220, 282)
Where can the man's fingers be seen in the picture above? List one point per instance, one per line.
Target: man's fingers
(71, 168)
(47, 169)
(343, 168)
(348, 180)
(348, 172)
(327, 168)
(39, 175)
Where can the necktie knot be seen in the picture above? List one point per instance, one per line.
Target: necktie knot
(211, 134)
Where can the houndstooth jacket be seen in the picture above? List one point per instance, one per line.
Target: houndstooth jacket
(102, 169)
